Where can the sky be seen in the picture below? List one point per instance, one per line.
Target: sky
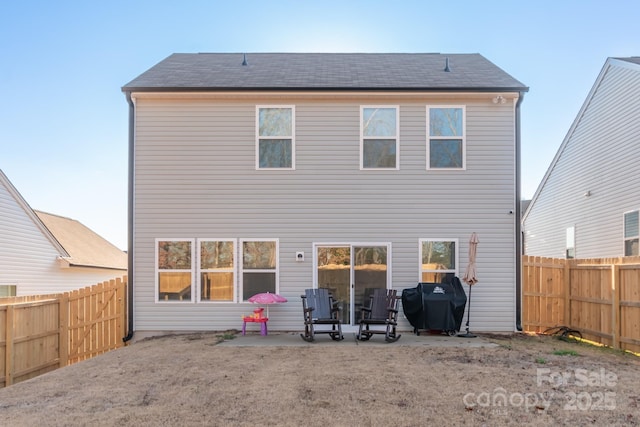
(64, 118)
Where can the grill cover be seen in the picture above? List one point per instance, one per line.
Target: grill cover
(435, 306)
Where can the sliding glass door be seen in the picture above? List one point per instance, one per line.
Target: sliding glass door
(351, 272)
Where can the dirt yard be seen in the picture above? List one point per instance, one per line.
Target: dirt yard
(189, 380)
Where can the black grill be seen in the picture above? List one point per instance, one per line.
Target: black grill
(435, 306)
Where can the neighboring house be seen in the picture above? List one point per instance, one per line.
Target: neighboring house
(588, 203)
(280, 172)
(41, 253)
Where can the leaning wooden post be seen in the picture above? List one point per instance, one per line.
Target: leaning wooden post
(8, 350)
(63, 329)
(615, 304)
(567, 292)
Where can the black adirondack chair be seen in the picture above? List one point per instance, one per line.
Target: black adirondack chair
(319, 309)
(380, 316)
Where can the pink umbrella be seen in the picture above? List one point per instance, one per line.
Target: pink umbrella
(267, 298)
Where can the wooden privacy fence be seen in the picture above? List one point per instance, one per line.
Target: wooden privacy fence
(598, 297)
(44, 332)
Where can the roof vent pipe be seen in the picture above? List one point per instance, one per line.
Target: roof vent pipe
(244, 60)
(446, 65)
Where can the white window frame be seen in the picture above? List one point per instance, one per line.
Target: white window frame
(241, 269)
(626, 238)
(292, 136)
(396, 137)
(570, 242)
(434, 239)
(193, 271)
(463, 137)
(201, 270)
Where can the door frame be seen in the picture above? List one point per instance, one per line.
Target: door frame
(351, 245)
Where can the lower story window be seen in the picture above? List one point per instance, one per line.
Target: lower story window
(438, 257)
(189, 270)
(259, 267)
(175, 268)
(217, 270)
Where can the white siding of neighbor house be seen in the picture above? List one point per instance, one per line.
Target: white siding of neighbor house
(599, 156)
(195, 177)
(28, 259)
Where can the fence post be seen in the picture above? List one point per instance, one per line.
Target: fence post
(615, 303)
(8, 350)
(63, 328)
(567, 292)
(121, 310)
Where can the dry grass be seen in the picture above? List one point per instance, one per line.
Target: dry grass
(190, 380)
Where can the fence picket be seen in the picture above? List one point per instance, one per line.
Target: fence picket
(599, 297)
(67, 327)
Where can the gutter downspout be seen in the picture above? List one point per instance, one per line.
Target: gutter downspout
(130, 219)
(518, 219)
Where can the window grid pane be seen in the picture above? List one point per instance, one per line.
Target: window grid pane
(275, 122)
(379, 153)
(217, 286)
(631, 225)
(438, 256)
(256, 283)
(445, 122)
(175, 286)
(275, 153)
(445, 153)
(379, 122)
(174, 255)
(216, 254)
(259, 255)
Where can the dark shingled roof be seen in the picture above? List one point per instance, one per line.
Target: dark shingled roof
(324, 71)
(632, 59)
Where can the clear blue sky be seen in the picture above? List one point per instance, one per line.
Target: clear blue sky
(63, 117)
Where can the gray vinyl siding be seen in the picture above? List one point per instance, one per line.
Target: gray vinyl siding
(195, 177)
(600, 156)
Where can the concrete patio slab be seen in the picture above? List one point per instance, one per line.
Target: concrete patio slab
(293, 339)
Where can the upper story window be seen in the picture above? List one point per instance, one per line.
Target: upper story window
(438, 257)
(631, 233)
(379, 137)
(446, 137)
(275, 130)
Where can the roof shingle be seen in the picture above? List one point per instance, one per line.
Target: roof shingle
(85, 247)
(323, 71)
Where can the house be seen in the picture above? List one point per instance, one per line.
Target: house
(587, 205)
(276, 172)
(41, 253)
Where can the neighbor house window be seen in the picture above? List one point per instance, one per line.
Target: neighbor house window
(175, 269)
(217, 266)
(259, 270)
(571, 243)
(631, 233)
(446, 137)
(7, 291)
(379, 138)
(438, 257)
(275, 145)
